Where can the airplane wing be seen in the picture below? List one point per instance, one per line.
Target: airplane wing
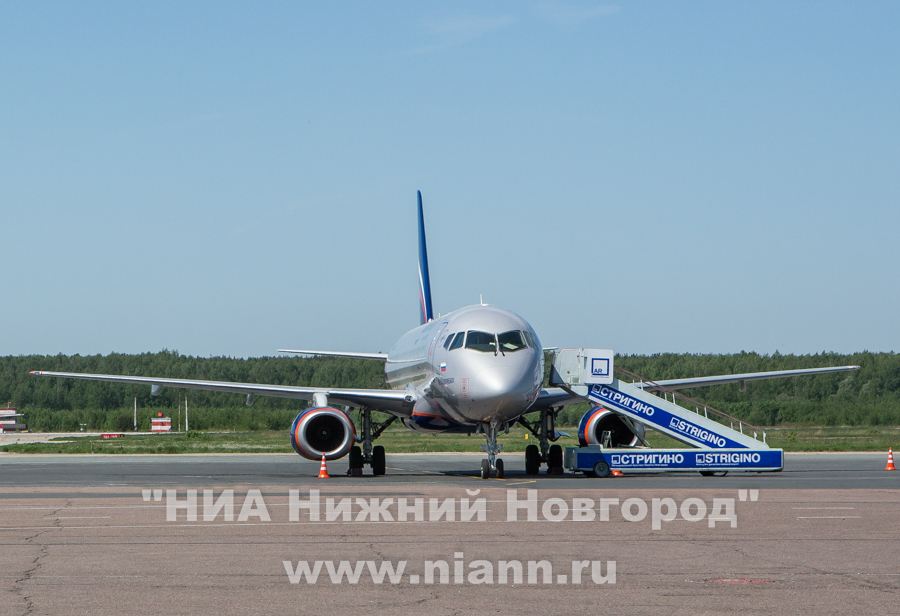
(724, 379)
(382, 356)
(555, 396)
(391, 401)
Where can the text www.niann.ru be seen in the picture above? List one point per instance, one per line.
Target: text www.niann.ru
(455, 572)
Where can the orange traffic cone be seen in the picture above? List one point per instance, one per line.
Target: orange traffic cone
(890, 466)
(617, 474)
(323, 470)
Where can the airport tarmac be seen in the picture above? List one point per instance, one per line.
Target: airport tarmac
(802, 470)
(86, 534)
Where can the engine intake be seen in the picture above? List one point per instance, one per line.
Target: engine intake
(322, 430)
(599, 420)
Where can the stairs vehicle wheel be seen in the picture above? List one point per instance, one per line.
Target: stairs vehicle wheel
(601, 469)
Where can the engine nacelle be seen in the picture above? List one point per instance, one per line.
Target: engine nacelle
(322, 430)
(599, 420)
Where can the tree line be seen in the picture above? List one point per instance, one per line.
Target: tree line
(56, 404)
(869, 396)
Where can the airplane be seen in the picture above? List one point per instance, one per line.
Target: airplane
(476, 370)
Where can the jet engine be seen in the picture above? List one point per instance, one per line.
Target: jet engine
(322, 430)
(599, 420)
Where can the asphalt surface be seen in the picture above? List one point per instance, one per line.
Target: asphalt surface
(802, 470)
(86, 534)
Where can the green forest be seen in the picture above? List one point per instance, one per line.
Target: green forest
(868, 397)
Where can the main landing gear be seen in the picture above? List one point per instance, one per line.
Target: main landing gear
(492, 449)
(545, 431)
(367, 454)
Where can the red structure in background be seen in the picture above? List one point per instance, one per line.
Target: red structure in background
(9, 420)
(161, 424)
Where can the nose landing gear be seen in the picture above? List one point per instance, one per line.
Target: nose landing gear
(492, 449)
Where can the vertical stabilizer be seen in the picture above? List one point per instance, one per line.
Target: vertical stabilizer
(426, 314)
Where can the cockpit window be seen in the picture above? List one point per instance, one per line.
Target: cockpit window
(481, 341)
(448, 341)
(530, 339)
(458, 341)
(510, 342)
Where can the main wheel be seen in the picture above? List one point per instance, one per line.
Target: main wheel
(555, 460)
(601, 469)
(532, 460)
(356, 460)
(499, 466)
(485, 469)
(378, 463)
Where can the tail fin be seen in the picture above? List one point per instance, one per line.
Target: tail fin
(426, 313)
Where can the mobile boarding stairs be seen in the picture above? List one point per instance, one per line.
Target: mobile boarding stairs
(719, 442)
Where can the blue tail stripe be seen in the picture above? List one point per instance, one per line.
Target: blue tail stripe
(426, 312)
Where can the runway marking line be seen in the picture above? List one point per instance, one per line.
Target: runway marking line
(830, 517)
(406, 470)
(173, 525)
(741, 581)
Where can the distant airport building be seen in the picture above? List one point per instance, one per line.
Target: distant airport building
(9, 420)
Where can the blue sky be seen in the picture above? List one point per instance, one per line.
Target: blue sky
(229, 179)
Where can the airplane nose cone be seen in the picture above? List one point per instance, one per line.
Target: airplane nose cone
(501, 389)
(495, 380)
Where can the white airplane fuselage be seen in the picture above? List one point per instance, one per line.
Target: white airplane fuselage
(489, 376)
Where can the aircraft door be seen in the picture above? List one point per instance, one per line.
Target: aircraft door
(437, 336)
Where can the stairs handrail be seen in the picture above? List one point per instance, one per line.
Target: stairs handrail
(652, 386)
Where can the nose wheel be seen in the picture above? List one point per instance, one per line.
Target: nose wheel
(486, 469)
(492, 463)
